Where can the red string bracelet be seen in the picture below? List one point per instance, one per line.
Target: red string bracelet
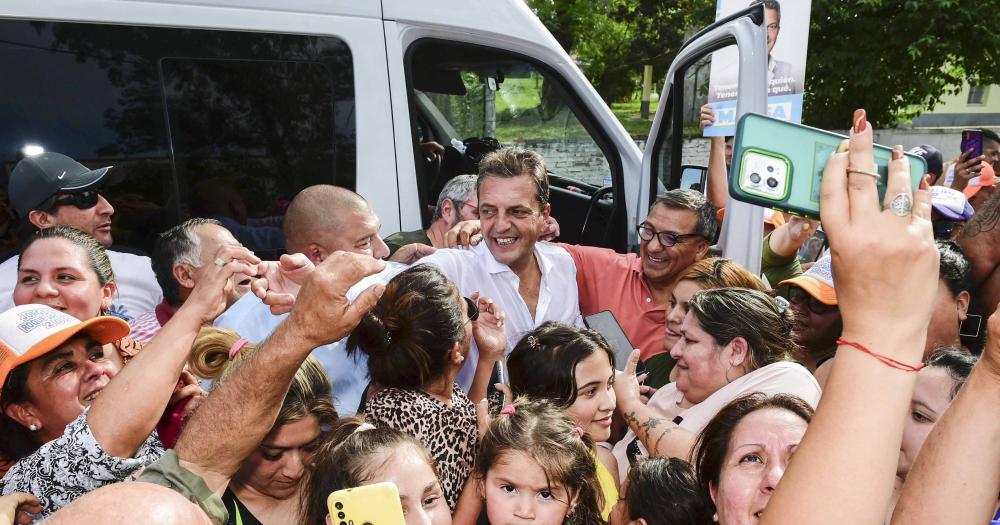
(888, 361)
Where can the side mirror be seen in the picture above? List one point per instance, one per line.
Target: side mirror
(694, 177)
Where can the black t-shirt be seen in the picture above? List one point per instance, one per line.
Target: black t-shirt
(239, 514)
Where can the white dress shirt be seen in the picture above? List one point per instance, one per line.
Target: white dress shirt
(252, 319)
(475, 270)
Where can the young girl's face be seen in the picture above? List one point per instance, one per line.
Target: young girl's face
(595, 396)
(419, 489)
(518, 492)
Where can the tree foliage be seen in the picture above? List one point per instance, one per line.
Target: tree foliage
(896, 58)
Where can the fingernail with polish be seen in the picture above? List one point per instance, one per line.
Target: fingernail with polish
(859, 120)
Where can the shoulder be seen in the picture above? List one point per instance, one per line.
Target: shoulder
(130, 260)
(784, 377)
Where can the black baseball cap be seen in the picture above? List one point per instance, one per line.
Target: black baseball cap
(935, 162)
(41, 176)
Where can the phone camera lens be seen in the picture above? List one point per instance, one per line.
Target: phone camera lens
(755, 178)
(770, 169)
(772, 182)
(341, 515)
(343, 523)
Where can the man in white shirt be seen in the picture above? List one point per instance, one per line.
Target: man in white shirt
(51, 189)
(532, 282)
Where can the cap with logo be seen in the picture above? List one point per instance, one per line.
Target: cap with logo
(935, 162)
(951, 203)
(30, 331)
(817, 281)
(987, 177)
(41, 176)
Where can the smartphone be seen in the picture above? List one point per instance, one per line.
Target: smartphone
(972, 139)
(605, 323)
(779, 164)
(376, 504)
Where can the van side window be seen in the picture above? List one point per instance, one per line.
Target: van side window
(219, 124)
(465, 96)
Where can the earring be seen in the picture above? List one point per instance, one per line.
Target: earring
(32, 427)
(461, 358)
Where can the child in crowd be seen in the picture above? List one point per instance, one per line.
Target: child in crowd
(359, 453)
(573, 368)
(535, 466)
(661, 491)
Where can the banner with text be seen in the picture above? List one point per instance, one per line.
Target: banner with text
(787, 29)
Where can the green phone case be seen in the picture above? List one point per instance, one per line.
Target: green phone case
(793, 156)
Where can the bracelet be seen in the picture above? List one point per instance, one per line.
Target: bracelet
(888, 361)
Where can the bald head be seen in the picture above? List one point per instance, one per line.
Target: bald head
(130, 502)
(319, 211)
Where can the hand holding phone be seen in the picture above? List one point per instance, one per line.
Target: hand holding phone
(972, 139)
(376, 504)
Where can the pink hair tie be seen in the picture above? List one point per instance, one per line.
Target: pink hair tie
(237, 346)
(579, 431)
(508, 410)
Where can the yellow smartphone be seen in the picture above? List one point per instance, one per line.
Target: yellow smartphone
(376, 504)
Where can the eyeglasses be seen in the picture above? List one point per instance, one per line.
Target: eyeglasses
(797, 295)
(83, 200)
(667, 239)
(471, 309)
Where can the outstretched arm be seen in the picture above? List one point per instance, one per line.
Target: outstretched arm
(886, 268)
(241, 411)
(960, 461)
(660, 435)
(141, 391)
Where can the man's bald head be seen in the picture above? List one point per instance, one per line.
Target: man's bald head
(318, 211)
(131, 502)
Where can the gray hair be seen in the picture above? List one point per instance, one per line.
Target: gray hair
(178, 245)
(708, 224)
(458, 191)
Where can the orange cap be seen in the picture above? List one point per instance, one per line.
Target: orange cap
(987, 177)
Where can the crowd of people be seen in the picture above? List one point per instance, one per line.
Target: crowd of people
(455, 363)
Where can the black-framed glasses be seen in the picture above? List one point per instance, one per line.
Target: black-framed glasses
(471, 309)
(797, 295)
(83, 200)
(667, 239)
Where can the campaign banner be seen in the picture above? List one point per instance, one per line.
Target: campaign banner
(787, 26)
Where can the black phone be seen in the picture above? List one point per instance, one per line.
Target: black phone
(605, 323)
(972, 139)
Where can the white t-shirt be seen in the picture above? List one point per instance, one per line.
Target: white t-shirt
(476, 270)
(777, 378)
(138, 292)
(252, 319)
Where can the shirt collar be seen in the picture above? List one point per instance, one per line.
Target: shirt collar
(494, 266)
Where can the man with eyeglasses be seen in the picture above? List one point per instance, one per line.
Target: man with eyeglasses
(678, 231)
(813, 299)
(457, 202)
(51, 189)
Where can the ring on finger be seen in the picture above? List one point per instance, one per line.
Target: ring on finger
(901, 205)
(865, 172)
(219, 262)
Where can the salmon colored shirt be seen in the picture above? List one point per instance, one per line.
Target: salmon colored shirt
(608, 280)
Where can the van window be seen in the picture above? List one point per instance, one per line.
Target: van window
(462, 94)
(220, 124)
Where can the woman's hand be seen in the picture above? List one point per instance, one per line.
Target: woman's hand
(15, 508)
(489, 329)
(208, 298)
(628, 391)
(885, 263)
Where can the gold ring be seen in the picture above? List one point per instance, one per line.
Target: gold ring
(865, 172)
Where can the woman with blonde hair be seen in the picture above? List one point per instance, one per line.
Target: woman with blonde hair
(266, 488)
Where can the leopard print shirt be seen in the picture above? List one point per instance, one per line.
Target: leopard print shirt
(449, 432)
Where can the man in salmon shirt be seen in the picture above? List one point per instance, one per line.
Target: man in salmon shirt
(678, 231)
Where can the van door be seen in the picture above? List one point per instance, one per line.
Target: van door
(742, 229)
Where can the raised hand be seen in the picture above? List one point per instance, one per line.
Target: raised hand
(15, 508)
(966, 168)
(322, 313)
(279, 281)
(489, 329)
(464, 234)
(412, 253)
(208, 298)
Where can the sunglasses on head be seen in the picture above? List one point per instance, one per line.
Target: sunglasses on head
(83, 200)
(471, 309)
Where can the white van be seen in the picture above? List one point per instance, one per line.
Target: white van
(230, 107)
